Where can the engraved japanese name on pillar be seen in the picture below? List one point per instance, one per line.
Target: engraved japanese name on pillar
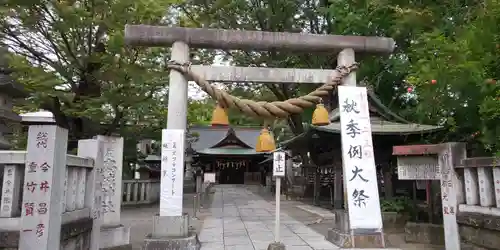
(450, 194)
(172, 172)
(94, 149)
(111, 175)
(9, 205)
(446, 185)
(358, 161)
(108, 181)
(43, 184)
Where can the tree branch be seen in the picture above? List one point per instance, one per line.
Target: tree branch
(63, 36)
(116, 120)
(41, 57)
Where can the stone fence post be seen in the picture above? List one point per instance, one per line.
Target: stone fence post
(94, 149)
(113, 233)
(43, 189)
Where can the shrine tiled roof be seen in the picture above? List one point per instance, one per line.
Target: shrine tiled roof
(383, 122)
(383, 127)
(208, 136)
(228, 151)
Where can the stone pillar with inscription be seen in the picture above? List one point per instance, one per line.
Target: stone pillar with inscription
(171, 225)
(415, 161)
(113, 233)
(41, 215)
(361, 225)
(92, 148)
(451, 190)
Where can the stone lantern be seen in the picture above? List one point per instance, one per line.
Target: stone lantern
(9, 90)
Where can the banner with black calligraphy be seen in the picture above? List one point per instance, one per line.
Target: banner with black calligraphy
(172, 172)
(358, 160)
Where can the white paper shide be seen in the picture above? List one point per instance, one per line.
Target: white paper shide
(279, 161)
(172, 172)
(357, 157)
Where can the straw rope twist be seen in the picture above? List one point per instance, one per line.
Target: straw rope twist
(266, 110)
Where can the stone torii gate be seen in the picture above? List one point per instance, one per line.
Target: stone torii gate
(171, 232)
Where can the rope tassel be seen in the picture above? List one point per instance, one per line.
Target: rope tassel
(266, 110)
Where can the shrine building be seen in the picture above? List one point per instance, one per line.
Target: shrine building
(235, 154)
(323, 177)
(230, 153)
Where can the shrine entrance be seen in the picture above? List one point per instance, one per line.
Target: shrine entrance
(229, 152)
(231, 171)
(364, 222)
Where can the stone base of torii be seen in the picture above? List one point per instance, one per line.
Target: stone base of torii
(172, 232)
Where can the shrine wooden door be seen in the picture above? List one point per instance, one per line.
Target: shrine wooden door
(232, 175)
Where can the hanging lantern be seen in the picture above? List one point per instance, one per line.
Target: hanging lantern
(265, 142)
(219, 117)
(320, 116)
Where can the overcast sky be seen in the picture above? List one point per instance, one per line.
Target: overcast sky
(195, 92)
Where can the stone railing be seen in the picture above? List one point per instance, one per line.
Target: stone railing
(478, 214)
(470, 191)
(137, 192)
(24, 197)
(52, 200)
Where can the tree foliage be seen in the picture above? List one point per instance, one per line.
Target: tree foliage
(369, 18)
(463, 62)
(71, 56)
(453, 42)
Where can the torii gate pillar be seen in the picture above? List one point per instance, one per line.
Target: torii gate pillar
(172, 232)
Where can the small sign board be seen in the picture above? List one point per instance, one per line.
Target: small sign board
(209, 177)
(418, 168)
(279, 163)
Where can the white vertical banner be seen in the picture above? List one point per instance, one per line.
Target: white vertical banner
(172, 172)
(360, 173)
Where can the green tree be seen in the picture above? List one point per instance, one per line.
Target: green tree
(454, 42)
(463, 62)
(397, 19)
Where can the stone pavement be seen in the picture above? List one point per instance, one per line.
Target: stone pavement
(140, 220)
(240, 219)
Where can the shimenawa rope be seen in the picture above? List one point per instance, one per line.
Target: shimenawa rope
(266, 110)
